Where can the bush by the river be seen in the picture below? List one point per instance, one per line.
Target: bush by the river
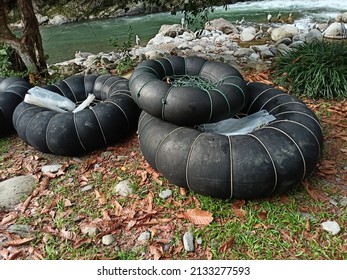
(316, 70)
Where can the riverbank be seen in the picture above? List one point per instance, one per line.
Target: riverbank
(244, 45)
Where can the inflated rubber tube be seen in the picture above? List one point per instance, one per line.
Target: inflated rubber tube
(12, 92)
(188, 105)
(271, 159)
(112, 118)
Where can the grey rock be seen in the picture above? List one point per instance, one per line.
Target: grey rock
(285, 40)
(21, 230)
(343, 202)
(53, 168)
(144, 236)
(165, 194)
(248, 34)
(283, 48)
(108, 239)
(199, 241)
(13, 190)
(188, 242)
(286, 31)
(124, 188)
(331, 226)
(266, 54)
(221, 24)
(90, 230)
(243, 52)
(313, 35)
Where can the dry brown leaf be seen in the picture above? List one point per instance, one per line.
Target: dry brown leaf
(118, 210)
(101, 197)
(9, 218)
(81, 242)
(226, 246)
(18, 242)
(198, 216)
(156, 251)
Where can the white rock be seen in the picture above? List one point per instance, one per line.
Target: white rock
(198, 48)
(144, 236)
(221, 24)
(336, 30)
(331, 226)
(108, 239)
(248, 34)
(124, 188)
(13, 190)
(53, 168)
(284, 31)
(165, 194)
(90, 230)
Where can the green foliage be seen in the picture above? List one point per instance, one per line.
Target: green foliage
(126, 63)
(6, 68)
(315, 70)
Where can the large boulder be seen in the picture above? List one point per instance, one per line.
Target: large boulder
(171, 30)
(221, 24)
(284, 31)
(336, 30)
(248, 34)
(344, 17)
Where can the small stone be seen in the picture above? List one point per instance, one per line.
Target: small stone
(343, 202)
(77, 159)
(90, 231)
(108, 239)
(188, 241)
(165, 194)
(307, 216)
(124, 188)
(87, 188)
(21, 230)
(145, 236)
(53, 168)
(199, 241)
(331, 226)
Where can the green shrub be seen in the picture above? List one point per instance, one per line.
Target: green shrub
(315, 70)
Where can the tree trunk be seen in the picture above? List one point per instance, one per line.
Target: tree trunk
(29, 45)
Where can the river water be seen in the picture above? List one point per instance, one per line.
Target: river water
(61, 42)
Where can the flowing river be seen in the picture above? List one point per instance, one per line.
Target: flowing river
(61, 42)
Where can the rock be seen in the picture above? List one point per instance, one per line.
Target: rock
(53, 168)
(344, 17)
(21, 230)
(266, 54)
(108, 239)
(165, 194)
(343, 202)
(160, 39)
(171, 30)
(188, 241)
(187, 36)
(13, 190)
(284, 31)
(221, 39)
(198, 48)
(285, 40)
(87, 188)
(199, 241)
(145, 236)
(58, 20)
(42, 19)
(243, 52)
(336, 30)
(248, 34)
(221, 24)
(313, 35)
(331, 226)
(124, 188)
(283, 48)
(90, 230)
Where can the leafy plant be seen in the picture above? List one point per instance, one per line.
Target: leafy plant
(124, 48)
(6, 68)
(316, 70)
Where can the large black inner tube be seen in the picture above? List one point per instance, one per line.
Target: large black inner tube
(153, 89)
(12, 92)
(269, 160)
(112, 118)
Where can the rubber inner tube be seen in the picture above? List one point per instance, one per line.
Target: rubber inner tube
(112, 118)
(271, 159)
(188, 90)
(12, 92)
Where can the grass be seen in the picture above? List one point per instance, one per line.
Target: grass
(280, 227)
(315, 70)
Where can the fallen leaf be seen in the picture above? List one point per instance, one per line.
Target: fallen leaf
(9, 218)
(156, 251)
(18, 242)
(198, 216)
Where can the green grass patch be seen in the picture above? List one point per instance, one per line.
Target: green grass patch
(316, 70)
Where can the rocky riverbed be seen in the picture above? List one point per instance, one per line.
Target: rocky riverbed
(241, 45)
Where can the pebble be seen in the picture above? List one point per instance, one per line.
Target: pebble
(165, 194)
(90, 231)
(331, 226)
(53, 168)
(188, 241)
(87, 188)
(145, 236)
(108, 239)
(21, 230)
(343, 202)
(199, 241)
(124, 188)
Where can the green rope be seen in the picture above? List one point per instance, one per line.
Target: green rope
(190, 81)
